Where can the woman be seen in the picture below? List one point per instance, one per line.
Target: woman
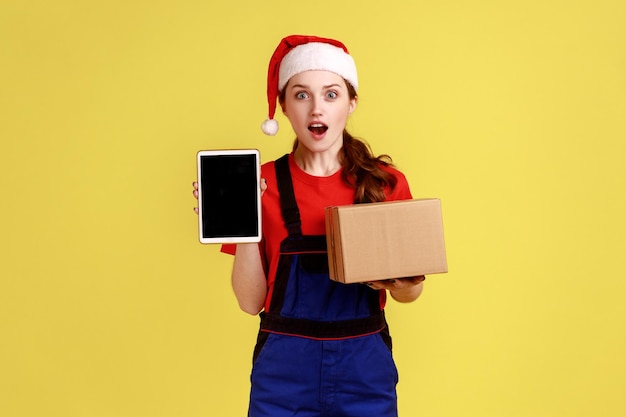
(324, 347)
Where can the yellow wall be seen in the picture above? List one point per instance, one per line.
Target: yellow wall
(512, 112)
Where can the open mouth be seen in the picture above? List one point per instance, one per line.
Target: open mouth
(318, 128)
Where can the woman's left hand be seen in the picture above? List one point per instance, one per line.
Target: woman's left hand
(401, 289)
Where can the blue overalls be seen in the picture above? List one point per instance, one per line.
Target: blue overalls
(323, 347)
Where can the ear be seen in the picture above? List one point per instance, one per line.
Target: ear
(353, 103)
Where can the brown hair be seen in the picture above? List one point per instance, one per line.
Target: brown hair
(361, 169)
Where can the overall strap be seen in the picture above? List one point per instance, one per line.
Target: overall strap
(288, 205)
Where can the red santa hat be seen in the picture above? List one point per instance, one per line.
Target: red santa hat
(295, 54)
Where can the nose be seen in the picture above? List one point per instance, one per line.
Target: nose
(316, 106)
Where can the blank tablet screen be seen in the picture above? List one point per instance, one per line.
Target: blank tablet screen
(229, 196)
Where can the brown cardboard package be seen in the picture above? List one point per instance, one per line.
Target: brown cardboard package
(395, 239)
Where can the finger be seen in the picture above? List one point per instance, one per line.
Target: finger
(380, 285)
(195, 185)
(396, 284)
(195, 209)
(404, 283)
(413, 280)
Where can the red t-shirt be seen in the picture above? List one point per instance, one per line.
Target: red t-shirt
(313, 195)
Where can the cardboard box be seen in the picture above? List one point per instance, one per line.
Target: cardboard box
(395, 239)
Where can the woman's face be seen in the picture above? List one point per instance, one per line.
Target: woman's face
(317, 103)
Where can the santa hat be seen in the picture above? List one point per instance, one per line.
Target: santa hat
(295, 54)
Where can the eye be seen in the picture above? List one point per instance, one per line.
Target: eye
(331, 94)
(301, 95)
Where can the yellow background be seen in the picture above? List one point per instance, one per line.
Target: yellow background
(511, 112)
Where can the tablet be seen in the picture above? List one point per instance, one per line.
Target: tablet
(229, 196)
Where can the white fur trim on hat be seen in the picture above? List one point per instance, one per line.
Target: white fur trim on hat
(317, 56)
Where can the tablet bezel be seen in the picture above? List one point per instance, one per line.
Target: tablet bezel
(229, 239)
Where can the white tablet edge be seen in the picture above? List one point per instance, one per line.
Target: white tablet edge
(232, 239)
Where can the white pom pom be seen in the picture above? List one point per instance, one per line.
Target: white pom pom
(270, 127)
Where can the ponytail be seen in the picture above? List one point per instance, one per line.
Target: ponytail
(362, 170)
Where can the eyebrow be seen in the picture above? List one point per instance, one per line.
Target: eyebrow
(325, 87)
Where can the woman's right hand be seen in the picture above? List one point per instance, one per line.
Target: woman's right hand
(195, 194)
(263, 186)
(195, 191)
